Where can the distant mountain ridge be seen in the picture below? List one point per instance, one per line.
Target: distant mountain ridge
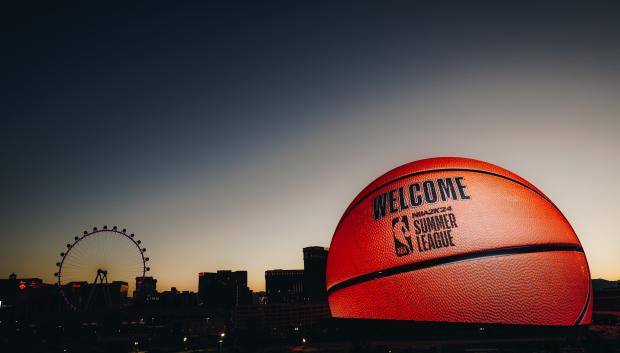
(600, 283)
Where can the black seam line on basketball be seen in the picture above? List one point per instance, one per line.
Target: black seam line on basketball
(522, 249)
(585, 308)
(434, 171)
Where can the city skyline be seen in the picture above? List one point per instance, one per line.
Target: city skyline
(131, 287)
(231, 138)
(219, 270)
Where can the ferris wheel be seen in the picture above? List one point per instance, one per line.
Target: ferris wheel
(97, 262)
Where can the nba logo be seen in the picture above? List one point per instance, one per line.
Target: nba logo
(402, 236)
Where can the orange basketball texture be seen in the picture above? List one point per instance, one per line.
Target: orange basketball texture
(457, 240)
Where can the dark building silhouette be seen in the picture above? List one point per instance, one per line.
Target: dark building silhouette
(15, 285)
(30, 296)
(118, 294)
(315, 265)
(606, 302)
(96, 296)
(145, 286)
(27, 296)
(284, 286)
(223, 289)
(176, 299)
(76, 293)
(295, 286)
(283, 320)
(259, 298)
(145, 292)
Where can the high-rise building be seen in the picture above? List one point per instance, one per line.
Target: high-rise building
(118, 294)
(145, 287)
(223, 289)
(284, 286)
(315, 265)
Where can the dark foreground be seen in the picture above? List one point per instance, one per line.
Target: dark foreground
(152, 335)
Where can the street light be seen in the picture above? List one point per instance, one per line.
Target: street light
(222, 335)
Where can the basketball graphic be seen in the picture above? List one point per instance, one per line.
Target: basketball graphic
(457, 240)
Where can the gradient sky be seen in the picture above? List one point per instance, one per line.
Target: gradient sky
(230, 137)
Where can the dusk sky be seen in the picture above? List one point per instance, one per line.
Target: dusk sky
(230, 137)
